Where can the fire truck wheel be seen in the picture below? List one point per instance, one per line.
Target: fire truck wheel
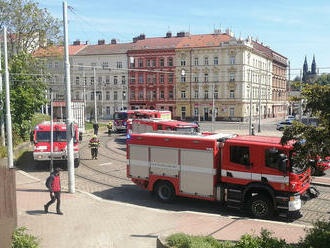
(165, 191)
(261, 207)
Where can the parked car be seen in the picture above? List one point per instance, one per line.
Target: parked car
(281, 125)
(290, 117)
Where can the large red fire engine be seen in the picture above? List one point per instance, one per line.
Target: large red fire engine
(149, 125)
(252, 172)
(120, 118)
(41, 139)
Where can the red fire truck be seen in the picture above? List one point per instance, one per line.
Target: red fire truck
(120, 118)
(148, 125)
(41, 139)
(243, 172)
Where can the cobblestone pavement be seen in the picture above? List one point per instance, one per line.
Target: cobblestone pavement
(106, 178)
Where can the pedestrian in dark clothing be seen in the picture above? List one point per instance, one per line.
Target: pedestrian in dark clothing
(96, 128)
(54, 186)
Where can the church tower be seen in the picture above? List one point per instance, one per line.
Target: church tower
(313, 66)
(305, 70)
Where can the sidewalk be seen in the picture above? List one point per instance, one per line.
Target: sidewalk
(89, 221)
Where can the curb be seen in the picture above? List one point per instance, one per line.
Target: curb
(320, 184)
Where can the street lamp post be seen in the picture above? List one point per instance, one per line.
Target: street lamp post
(259, 119)
(95, 106)
(250, 118)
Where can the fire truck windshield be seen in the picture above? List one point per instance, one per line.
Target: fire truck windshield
(44, 136)
(120, 116)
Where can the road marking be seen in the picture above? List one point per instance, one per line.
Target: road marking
(106, 163)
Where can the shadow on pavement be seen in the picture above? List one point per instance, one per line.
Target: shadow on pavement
(35, 212)
(32, 190)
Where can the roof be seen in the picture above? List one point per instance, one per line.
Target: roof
(53, 51)
(258, 139)
(156, 43)
(203, 40)
(105, 49)
(266, 50)
(194, 136)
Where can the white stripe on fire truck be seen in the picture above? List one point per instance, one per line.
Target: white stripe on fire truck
(255, 176)
(164, 166)
(195, 169)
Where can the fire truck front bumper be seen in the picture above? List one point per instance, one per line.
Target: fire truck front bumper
(45, 156)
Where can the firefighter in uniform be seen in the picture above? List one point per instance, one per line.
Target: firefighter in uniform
(94, 145)
(109, 128)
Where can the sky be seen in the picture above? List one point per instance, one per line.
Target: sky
(293, 28)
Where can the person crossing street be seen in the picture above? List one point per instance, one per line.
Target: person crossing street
(53, 183)
(94, 145)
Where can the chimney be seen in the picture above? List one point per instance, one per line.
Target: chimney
(180, 34)
(217, 31)
(86, 43)
(113, 41)
(101, 42)
(76, 43)
(169, 34)
(135, 39)
(142, 36)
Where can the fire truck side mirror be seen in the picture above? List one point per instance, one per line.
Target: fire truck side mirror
(283, 161)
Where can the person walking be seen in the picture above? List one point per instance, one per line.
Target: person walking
(53, 183)
(94, 145)
(96, 128)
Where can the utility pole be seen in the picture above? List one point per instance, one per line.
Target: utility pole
(289, 89)
(84, 94)
(2, 128)
(250, 119)
(8, 114)
(51, 133)
(69, 124)
(213, 114)
(259, 119)
(95, 106)
(300, 101)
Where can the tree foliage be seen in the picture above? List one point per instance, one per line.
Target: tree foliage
(28, 25)
(27, 92)
(312, 142)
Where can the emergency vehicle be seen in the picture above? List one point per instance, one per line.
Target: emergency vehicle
(244, 172)
(149, 125)
(41, 139)
(120, 118)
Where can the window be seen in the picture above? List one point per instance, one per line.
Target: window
(272, 158)
(124, 95)
(77, 95)
(92, 96)
(80, 68)
(92, 80)
(240, 155)
(77, 80)
(123, 79)
(232, 76)
(216, 60)
(196, 79)
(232, 60)
(149, 95)
(183, 94)
(154, 78)
(154, 94)
(232, 94)
(154, 63)
(115, 95)
(183, 62)
(107, 95)
(56, 64)
(105, 65)
(149, 78)
(206, 94)
(161, 79)
(119, 64)
(196, 112)
(183, 78)
(183, 113)
(161, 62)
(206, 77)
(206, 61)
(196, 61)
(133, 79)
(170, 78)
(141, 78)
(216, 94)
(161, 94)
(99, 95)
(132, 95)
(196, 94)
(108, 110)
(232, 111)
(140, 62)
(115, 79)
(99, 79)
(141, 95)
(170, 94)
(170, 61)
(148, 63)
(107, 79)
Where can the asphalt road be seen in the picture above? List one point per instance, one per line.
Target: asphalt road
(106, 178)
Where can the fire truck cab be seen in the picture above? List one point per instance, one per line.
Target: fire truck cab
(41, 139)
(252, 172)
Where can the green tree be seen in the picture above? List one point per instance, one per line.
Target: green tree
(28, 26)
(312, 141)
(28, 92)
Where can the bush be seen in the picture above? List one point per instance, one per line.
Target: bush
(318, 236)
(22, 240)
